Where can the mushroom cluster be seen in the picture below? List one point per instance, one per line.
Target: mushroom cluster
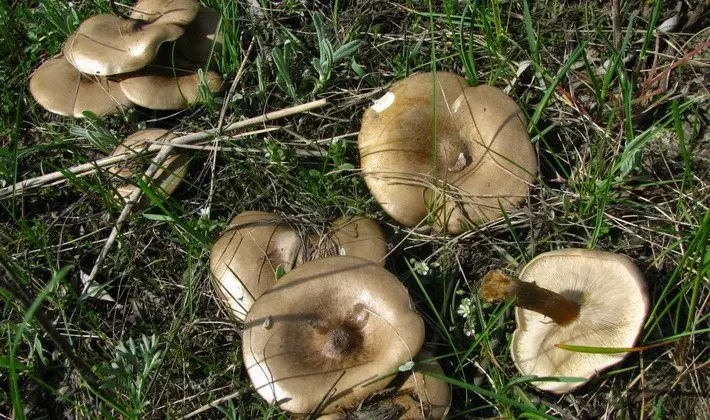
(572, 296)
(334, 327)
(434, 149)
(151, 59)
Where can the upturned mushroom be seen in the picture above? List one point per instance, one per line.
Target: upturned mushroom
(108, 45)
(166, 179)
(477, 161)
(322, 336)
(244, 260)
(60, 88)
(576, 297)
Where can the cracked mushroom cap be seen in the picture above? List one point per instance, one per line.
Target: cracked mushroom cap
(355, 236)
(325, 333)
(60, 88)
(161, 87)
(243, 261)
(611, 293)
(166, 179)
(482, 159)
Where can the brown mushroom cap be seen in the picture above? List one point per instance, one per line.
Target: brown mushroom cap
(62, 89)
(166, 179)
(243, 261)
(613, 302)
(482, 154)
(175, 12)
(355, 236)
(164, 88)
(326, 331)
(500, 161)
(108, 44)
(396, 146)
(202, 37)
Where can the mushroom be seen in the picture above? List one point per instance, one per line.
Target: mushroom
(162, 87)
(572, 296)
(327, 332)
(107, 44)
(480, 161)
(355, 236)
(244, 260)
(60, 88)
(166, 179)
(412, 395)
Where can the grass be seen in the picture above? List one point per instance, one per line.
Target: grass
(621, 132)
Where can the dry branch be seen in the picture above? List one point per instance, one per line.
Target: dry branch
(94, 166)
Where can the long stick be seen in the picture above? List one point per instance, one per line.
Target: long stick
(94, 166)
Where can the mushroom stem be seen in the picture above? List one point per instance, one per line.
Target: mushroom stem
(499, 286)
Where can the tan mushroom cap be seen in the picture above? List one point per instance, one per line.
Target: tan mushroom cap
(244, 260)
(500, 160)
(396, 147)
(202, 37)
(482, 154)
(163, 88)
(613, 301)
(175, 12)
(166, 179)
(335, 324)
(414, 395)
(355, 236)
(60, 88)
(108, 44)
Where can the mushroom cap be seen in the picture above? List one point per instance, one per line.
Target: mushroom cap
(482, 152)
(107, 44)
(396, 147)
(175, 12)
(201, 37)
(500, 160)
(163, 88)
(244, 259)
(355, 236)
(412, 395)
(167, 178)
(325, 333)
(362, 237)
(424, 396)
(62, 89)
(612, 295)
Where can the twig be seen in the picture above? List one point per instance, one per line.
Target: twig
(94, 166)
(616, 23)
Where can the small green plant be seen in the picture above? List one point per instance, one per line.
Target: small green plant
(282, 60)
(328, 58)
(130, 370)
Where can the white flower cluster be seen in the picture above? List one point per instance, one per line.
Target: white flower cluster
(466, 310)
